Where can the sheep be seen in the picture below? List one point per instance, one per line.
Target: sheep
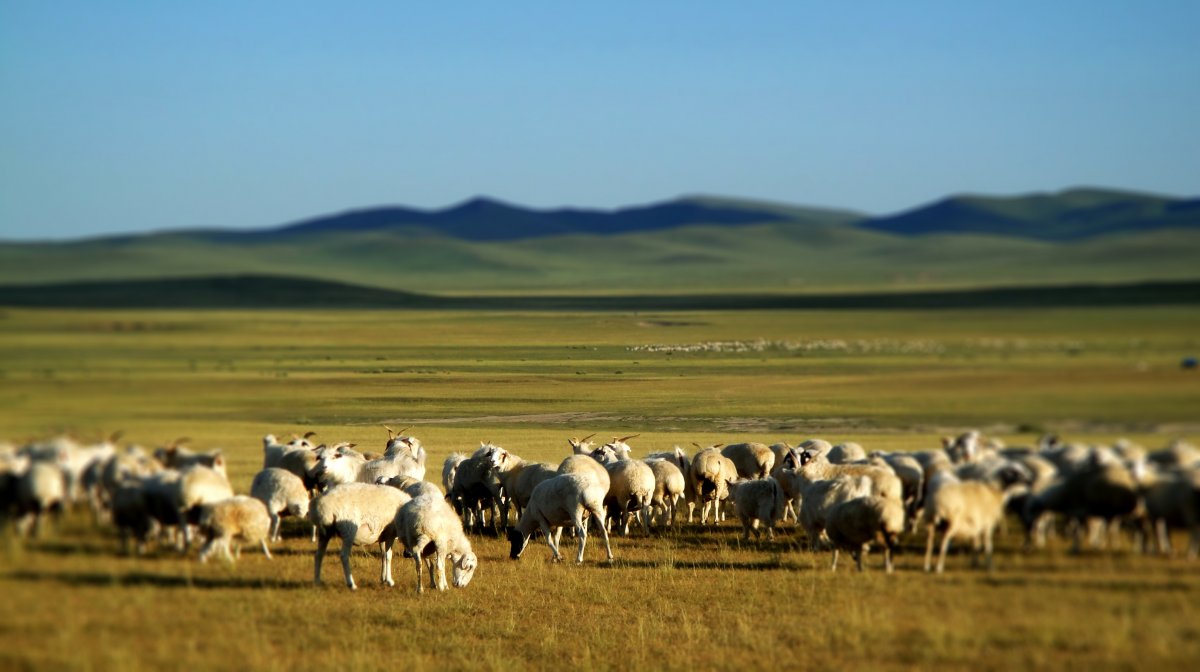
(786, 459)
(13, 466)
(520, 479)
(711, 474)
(198, 485)
(631, 487)
(175, 456)
(586, 465)
(236, 519)
(449, 470)
(303, 463)
(884, 482)
(752, 460)
(852, 525)
(1101, 491)
(403, 456)
(844, 453)
(816, 446)
(669, 488)
(283, 493)
(477, 485)
(41, 490)
(339, 464)
(78, 460)
(429, 529)
(273, 451)
(819, 496)
(911, 475)
(564, 499)
(759, 500)
(967, 509)
(1177, 453)
(1172, 499)
(413, 487)
(359, 514)
(581, 446)
(131, 515)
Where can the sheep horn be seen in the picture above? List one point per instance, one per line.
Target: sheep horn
(587, 437)
(176, 442)
(309, 435)
(697, 445)
(391, 434)
(626, 438)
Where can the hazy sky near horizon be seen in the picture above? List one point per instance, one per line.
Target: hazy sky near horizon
(127, 116)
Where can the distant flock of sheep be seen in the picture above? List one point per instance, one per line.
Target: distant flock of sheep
(842, 497)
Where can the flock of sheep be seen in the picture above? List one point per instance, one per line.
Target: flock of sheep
(843, 498)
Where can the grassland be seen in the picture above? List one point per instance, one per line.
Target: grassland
(686, 599)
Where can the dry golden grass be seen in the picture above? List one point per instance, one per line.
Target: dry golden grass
(692, 598)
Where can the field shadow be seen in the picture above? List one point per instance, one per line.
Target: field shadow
(132, 579)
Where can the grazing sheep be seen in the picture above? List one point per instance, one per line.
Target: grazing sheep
(359, 514)
(429, 529)
(819, 496)
(562, 500)
(283, 493)
(852, 525)
(236, 520)
(752, 460)
(711, 474)
(631, 488)
(759, 500)
(669, 488)
(965, 509)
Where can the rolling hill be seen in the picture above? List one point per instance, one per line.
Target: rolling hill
(701, 244)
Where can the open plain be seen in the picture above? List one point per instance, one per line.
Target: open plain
(684, 598)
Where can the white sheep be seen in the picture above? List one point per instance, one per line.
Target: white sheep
(430, 530)
(669, 488)
(852, 525)
(817, 467)
(236, 520)
(339, 464)
(631, 487)
(581, 446)
(283, 493)
(198, 485)
(846, 452)
(565, 499)
(403, 456)
(711, 474)
(41, 491)
(587, 466)
(965, 509)
(752, 460)
(273, 451)
(477, 486)
(819, 496)
(756, 501)
(359, 514)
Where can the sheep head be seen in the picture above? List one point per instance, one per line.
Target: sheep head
(517, 543)
(464, 568)
(581, 446)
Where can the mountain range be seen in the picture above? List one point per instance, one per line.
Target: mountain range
(690, 244)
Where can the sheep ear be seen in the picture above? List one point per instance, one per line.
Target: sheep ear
(218, 461)
(947, 441)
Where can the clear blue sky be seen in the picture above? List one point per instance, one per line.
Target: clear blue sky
(123, 116)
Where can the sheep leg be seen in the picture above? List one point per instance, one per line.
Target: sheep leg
(322, 545)
(833, 567)
(887, 555)
(266, 551)
(941, 565)
(581, 528)
(987, 548)
(416, 551)
(929, 546)
(557, 557)
(273, 535)
(441, 569)
(386, 570)
(858, 556)
(607, 546)
(348, 534)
